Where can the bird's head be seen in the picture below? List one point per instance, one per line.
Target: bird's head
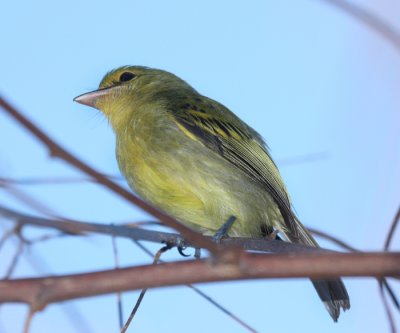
(124, 89)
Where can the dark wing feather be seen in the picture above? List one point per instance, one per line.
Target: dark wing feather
(221, 131)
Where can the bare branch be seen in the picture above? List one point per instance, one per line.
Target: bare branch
(74, 227)
(15, 259)
(222, 308)
(156, 260)
(386, 305)
(391, 293)
(206, 297)
(119, 295)
(76, 319)
(334, 240)
(57, 151)
(370, 20)
(38, 292)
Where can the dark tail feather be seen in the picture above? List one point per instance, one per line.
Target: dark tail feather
(334, 295)
(332, 292)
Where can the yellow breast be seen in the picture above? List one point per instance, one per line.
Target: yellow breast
(189, 181)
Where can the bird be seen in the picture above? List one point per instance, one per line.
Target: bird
(193, 158)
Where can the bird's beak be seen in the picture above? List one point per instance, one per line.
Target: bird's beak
(91, 98)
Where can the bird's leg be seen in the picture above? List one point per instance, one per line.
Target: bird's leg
(180, 245)
(273, 235)
(221, 232)
(197, 253)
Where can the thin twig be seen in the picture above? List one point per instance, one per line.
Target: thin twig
(333, 239)
(387, 307)
(383, 283)
(74, 316)
(8, 234)
(205, 296)
(75, 227)
(223, 309)
(388, 32)
(15, 258)
(76, 319)
(391, 294)
(144, 290)
(119, 299)
(393, 226)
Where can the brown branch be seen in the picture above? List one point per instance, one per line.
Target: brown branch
(75, 227)
(370, 20)
(38, 292)
(57, 151)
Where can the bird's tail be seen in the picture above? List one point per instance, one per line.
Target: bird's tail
(332, 292)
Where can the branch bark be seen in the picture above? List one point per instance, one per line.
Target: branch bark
(38, 292)
(75, 227)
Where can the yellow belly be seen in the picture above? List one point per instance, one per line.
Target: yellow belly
(194, 184)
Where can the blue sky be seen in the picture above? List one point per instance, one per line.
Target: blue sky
(306, 76)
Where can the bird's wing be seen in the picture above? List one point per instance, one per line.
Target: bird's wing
(221, 131)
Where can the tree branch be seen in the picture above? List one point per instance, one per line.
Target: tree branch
(75, 227)
(38, 292)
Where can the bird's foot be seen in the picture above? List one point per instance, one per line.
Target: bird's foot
(182, 247)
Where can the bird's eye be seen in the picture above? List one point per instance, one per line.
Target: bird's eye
(126, 76)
